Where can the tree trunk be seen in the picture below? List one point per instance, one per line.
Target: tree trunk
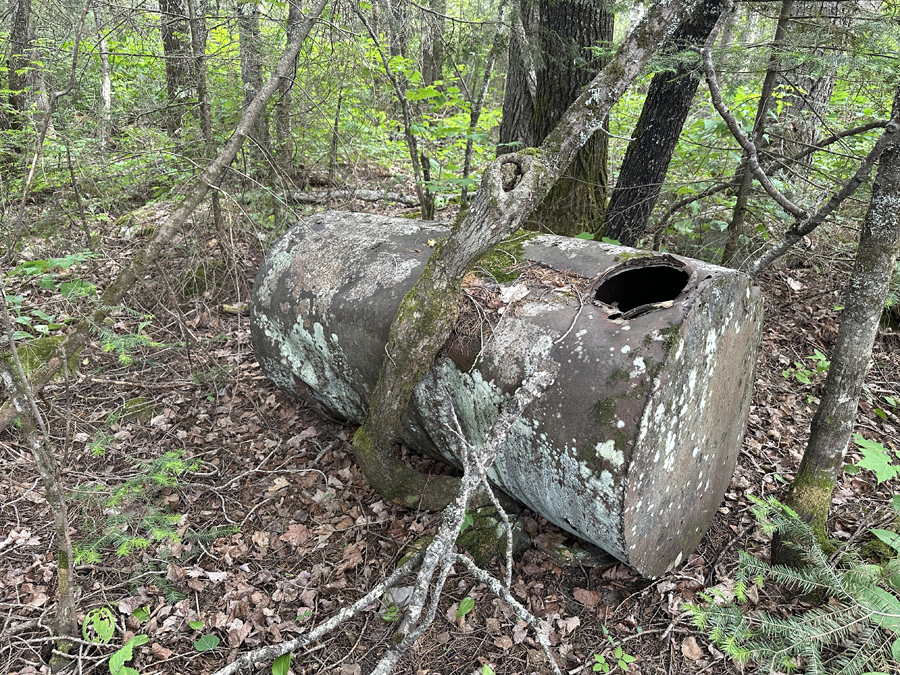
(19, 62)
(812, 487)
(284, 142)
(433, 43)
(568, 31)
(521, 81)
(12, 376)
(511, 187)
(176, 49)
(656, 133)
(251, 74)
(736, 226)
(105, 81)
(197, 18)
(819, 32)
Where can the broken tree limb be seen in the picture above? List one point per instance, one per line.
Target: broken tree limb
(208, 178)
(512, 186)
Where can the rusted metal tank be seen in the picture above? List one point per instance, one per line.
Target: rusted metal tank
(636, 442)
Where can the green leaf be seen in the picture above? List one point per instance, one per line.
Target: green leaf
(282, 664)
(125, 653)
(465, 606)
(196, 625)
(99, 625)
(892, 539)
(141, 614)
(614, 242)
(467, 522)
(884, 606)
(876, 458)
(392, 613)
(207, 642)
(584, 235)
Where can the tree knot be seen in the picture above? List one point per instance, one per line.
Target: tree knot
(511, 172)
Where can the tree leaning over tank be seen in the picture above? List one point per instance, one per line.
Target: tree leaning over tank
(512, 186)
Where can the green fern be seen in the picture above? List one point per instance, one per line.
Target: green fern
(855, 628)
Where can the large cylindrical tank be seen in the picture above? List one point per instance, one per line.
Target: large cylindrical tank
(633, 446)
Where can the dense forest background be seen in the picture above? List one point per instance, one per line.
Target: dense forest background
(165, 506)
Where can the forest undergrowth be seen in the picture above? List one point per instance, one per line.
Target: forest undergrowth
(213, 514)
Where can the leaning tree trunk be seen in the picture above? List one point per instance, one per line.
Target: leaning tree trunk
(569, 29)
(511, 187)
(666, 107)
(176, 49)
(811, 489)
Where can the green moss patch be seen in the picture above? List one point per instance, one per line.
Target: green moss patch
(35, 353)
(503, 260)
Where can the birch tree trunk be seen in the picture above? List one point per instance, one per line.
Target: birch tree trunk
(512, 186)
(105, 81)
(832, 425)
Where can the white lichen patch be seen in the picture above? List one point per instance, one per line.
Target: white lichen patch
(607, 450)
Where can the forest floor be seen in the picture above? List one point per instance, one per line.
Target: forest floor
(274, 529)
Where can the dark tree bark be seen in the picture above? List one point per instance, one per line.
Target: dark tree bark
(521, 81)
(511, 187)
(177, 51)
(812, 487)
(568, 31)
(433, 43)
(656, 133)
(251, 73)
(19, 62)
(197, 16)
